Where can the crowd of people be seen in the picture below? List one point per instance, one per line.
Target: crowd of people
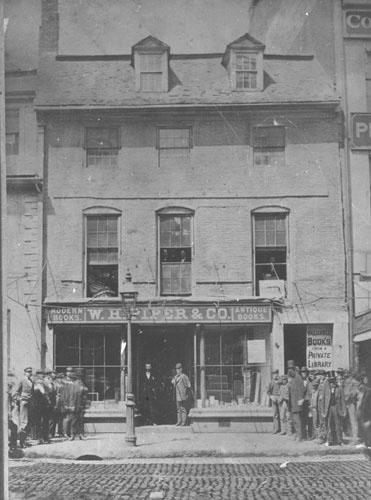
(45, 405)
(322, 406)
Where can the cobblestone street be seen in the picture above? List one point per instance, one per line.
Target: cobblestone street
(309, 479)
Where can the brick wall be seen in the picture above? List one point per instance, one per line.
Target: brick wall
(221, 185)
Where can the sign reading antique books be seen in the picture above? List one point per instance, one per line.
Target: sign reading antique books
(319, 347)
(358, 23)
(361, 130)
(167, 314)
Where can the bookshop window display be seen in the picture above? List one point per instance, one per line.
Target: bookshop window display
(237, 365)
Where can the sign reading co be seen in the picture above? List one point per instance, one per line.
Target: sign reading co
(260, 313)
(358, 23)
(361, 130)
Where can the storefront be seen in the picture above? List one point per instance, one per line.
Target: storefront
(225, 348)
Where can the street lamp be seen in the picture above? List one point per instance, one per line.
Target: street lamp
(129, 297)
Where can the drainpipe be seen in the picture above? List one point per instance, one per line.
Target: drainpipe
(346, 193)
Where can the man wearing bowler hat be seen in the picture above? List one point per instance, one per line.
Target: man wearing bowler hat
(182, 385)
(333, 410)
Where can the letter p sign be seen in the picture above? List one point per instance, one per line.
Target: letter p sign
(361, 130)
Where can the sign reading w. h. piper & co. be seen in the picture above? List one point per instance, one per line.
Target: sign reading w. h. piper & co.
(261, 313)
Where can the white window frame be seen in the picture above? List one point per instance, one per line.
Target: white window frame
(258, 55)
(100, 212)
(175, 212)
(114, 154)
(270, 211)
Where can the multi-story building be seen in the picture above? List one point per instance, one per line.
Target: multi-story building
(215, 177)
(24, 157)
(354, 77)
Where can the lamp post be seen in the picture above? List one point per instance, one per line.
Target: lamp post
(129, 297)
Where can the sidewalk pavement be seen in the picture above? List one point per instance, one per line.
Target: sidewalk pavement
(166, 441)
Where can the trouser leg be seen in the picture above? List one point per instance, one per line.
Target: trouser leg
(297, 418)
(276, 417)
(13, 431)
(67, 424)
(178, 413)
(352, 412)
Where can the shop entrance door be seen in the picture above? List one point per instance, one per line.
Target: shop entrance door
(295, 338)
(163, 348)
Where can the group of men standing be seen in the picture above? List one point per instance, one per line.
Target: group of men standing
(321, 405)
(45, 405)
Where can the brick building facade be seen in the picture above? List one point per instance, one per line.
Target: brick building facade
(216, 179)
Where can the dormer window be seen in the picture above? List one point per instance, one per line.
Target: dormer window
(243, 59)
(151, 61)
(246, 71)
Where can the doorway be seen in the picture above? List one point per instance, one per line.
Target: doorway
(295, 341)
(163, 347)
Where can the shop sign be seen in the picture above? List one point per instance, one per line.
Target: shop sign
(319, 347)
(165, 314)
(358, 23)
(361, 130)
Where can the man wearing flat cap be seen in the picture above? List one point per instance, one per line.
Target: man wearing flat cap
(24, 391)
(182, 387)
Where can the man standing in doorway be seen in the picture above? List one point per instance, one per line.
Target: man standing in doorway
(182, 386)
(151, 389)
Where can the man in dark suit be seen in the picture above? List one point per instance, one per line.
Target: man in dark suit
(296, 400)
(151, 389)
(334, 410)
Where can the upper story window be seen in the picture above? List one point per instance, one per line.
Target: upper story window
(175, 251)
(12, 131)
(102, 146)
(151, 61)
(102, 251)
(246, 71)
(173, 143)
(150, 72)
(269, 145)
(243, 59)
(270, 248)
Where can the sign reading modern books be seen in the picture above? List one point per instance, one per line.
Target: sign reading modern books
(319, 347)
(188, 313)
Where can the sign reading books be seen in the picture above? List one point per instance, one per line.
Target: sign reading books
(319, 347)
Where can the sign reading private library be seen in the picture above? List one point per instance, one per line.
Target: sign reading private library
(319, 347)
(361, 130)
(250, 313)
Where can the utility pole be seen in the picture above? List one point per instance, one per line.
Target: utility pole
(3, 309)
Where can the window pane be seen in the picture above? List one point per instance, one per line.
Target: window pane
(150, 82)
(173, 138)
(12, 121)
(12, 144)
(150, 63)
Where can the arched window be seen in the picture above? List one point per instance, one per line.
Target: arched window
(175, 250)
(270, 246)
(101, 252)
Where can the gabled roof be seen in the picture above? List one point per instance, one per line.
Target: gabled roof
(244, 42)
(193, 81)
(150, 43)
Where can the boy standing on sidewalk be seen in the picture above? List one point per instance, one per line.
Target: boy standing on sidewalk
(273, 391)
(284, 407)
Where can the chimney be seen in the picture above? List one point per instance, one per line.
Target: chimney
(49, 30)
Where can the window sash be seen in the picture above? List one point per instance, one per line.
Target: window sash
(102, 240)
(270, 231)
(175, 251)
(12, 121)
(12, 143)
